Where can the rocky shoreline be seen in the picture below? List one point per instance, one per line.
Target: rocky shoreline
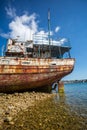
(11, 104)
(38, 111)
(75, 81)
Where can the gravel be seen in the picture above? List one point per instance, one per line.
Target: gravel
(11, 104)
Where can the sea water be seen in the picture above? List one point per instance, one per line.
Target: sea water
(76, 97)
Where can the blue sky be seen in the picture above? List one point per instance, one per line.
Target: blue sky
(68, 20)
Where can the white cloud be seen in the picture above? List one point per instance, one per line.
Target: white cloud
(4, 35)
(57, 29)
(23, 27)
(59, 42)
(10, 11)
(42, 33)
(63, 40)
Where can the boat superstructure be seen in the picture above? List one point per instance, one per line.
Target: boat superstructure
(33, 64)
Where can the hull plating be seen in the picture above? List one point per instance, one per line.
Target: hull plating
(23, 74)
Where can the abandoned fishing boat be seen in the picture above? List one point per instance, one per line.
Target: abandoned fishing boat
(33, 64)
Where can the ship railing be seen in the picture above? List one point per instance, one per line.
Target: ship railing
(44, 39)
(61, 44)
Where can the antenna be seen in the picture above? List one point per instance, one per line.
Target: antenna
(49, 25)
(49, 29)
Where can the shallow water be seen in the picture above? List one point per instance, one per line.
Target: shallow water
(76, 97)
(65, 111)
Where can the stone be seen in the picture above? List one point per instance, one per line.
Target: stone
(8, 119)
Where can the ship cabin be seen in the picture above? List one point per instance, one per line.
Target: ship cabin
(41, 48)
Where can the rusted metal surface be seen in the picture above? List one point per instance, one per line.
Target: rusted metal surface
(23, 73)
(38, 48)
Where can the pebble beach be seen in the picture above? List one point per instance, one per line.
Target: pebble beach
(12, 104)
(38, 111)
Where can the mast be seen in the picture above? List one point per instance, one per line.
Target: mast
(49, 30)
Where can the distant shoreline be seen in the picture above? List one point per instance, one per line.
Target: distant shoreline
(75, 81)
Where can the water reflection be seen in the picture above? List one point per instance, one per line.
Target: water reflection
(60, 98)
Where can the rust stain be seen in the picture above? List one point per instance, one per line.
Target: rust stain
(34, 75)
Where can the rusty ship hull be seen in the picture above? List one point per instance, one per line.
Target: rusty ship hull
(20, 74)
